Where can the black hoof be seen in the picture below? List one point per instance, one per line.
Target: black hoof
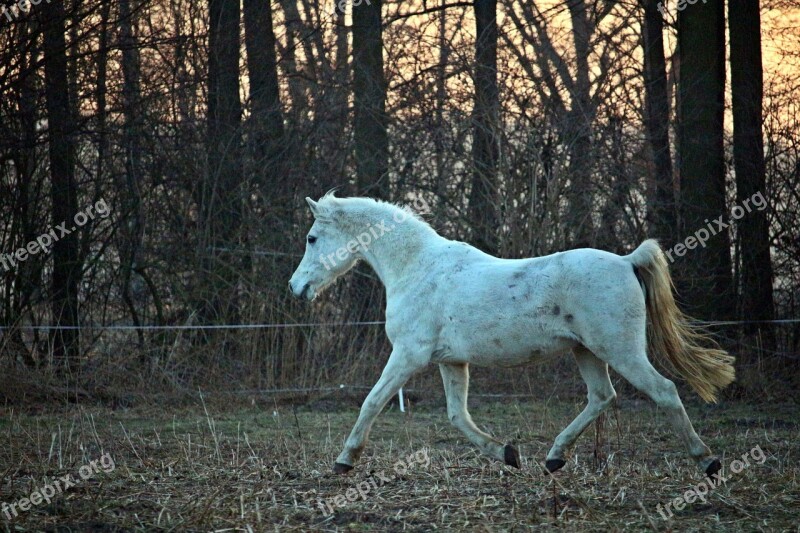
(552, 465)
(713, 468)
(511, 456)
(341, 468)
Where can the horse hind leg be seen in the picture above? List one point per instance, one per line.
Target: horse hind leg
(456, 384)
(601, 395)
(635, 367)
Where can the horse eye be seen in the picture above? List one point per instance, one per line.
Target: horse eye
(311, 239)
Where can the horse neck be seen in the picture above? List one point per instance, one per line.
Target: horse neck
(392, 254)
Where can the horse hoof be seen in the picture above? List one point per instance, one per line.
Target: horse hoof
(713, 468)
(511, 456)
(553, 465)
(341, 468)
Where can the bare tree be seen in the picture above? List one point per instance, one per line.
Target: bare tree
(64, 189)
(369, 94)
(748, 151)
(579, 129)
(661, 213)
(130, 250)
(266, 112)
(571, 95)
(220, 200)
(708, 281)
(485, 116)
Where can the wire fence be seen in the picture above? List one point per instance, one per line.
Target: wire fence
(341, 387)
(314, 324)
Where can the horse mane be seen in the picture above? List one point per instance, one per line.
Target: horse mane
(330, 202)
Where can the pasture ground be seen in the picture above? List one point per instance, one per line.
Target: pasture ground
(262, 466)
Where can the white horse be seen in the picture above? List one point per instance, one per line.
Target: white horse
(451, 304)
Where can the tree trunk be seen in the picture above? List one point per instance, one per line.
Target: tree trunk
(132, 232)
(64, 189)
(579, 133)
(440, 136)
(485, 116)
(332, 107)
(19, 290)
(296, 42)
(369, 94)
(756, 301)
(661, 213)
(709, 283)
(267, 115)
(221, 203)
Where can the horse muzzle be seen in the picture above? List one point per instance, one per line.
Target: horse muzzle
(304, 293)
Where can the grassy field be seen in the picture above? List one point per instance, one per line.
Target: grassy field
(230, 466)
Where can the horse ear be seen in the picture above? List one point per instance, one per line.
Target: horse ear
(313, 205)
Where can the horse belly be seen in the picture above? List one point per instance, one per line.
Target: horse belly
(498, 350)
(511, 354)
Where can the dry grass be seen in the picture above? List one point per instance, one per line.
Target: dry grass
(222, 466)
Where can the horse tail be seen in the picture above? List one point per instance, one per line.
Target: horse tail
(691, 352)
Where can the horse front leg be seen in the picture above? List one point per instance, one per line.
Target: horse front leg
(397, 371)
(456, 386)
